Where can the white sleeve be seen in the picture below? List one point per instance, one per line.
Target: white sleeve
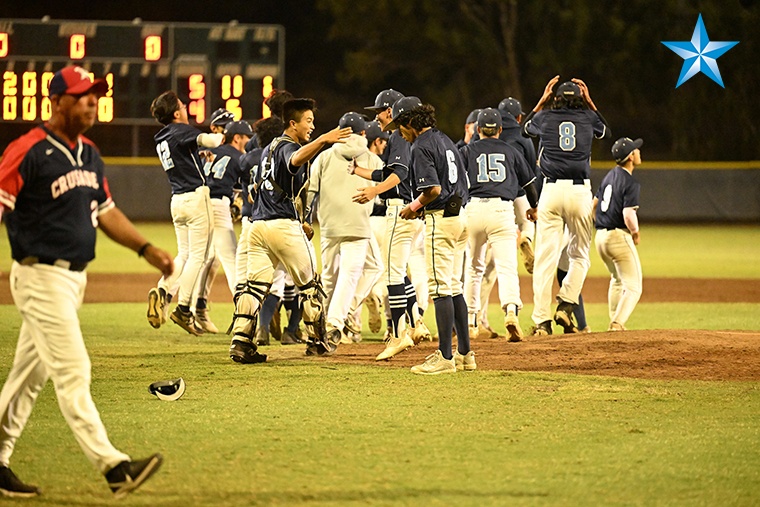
(210, 140)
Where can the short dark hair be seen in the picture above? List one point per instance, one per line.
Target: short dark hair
(294, 109)
(267, 129)
(418, 118)
(568, 103)
(276, 100)
(164, 106)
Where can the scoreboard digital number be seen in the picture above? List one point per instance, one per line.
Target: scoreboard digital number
(210, 65)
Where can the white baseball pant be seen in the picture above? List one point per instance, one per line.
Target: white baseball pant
(619, 254)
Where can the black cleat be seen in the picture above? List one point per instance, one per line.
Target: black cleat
(564, 317)
(127, 476)
(12, 487)
(543, 329)
(245, 353)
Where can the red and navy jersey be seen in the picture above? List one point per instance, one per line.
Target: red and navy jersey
(436, 162)
(618, 190)
(249, 165)
(278, 181)
(396, 158)
(54, 193)
(177, 148)
(495, 169)
(224, 172)
(565, 141)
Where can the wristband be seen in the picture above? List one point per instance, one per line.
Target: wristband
(142, 249)
(415, 205)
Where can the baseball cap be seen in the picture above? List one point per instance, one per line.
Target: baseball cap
(241, 127)
(402, 105)
(473, 116)
(374, 131)
(624, 147)
(74, 80)
(353, 120)
(568, 89)
(512, 106)
(385, 99)
(489, 118)
(221, 117)
(168, 390)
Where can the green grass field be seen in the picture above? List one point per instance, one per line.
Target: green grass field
(300, 431)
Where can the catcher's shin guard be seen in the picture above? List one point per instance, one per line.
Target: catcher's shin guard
(313, 299)
(247, 306)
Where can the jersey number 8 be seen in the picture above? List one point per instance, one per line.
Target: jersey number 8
(567, 136)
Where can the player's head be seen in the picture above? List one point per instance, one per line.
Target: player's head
(470, 125)
(411, 117)
(383, 104)
(276, 100)
(489, 122)
(298, 116)
(237, 134)
(168, 108)
(74, 95)
(355, 121)
(568, 96)
(626, 150)
(377, 139)
(512, 107)
(219, 119)
(267, 129)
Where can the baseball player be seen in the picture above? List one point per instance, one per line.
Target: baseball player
(617, 231)
(496, 173)
(439, 175)
(395, 187)
(177, 147)
(344, 227)
(565, 132)
(277, 236)
(470, 125)
(55, 194)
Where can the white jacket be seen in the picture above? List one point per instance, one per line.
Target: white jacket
(338, 215)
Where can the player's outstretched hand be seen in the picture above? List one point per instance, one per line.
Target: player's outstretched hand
(548, 93)
(365, 195)
(160, 259)
(584, 92)
(532, 214)
(337, 135)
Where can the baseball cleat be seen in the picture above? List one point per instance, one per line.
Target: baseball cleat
(436, 364)
(542, 329)
(420, 332)
(564, 317)
(262, 336)
(485, 331)
(156, 304)
(12, 487)
(526, 249)
(512, 323)
(245, 353)
(127, 476)
(372, 303)
(614, 326)
(203, 320)
(395, 346)
(186, 320)
(465, 362)
(289, 338)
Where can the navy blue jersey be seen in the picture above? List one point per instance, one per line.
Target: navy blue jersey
(224, 172)
(54, 193)
(511, 134)
(495, 169)
(565, 141)
(396, 159)
(618, 190)
(177, 148)
(278, 181)
(249, 165)
(436, 162)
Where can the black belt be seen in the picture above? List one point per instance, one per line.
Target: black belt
(61, 263)
(576, 181)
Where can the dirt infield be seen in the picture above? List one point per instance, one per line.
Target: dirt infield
(651, 354)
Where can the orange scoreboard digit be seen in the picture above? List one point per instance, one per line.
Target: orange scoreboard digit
(209, 65)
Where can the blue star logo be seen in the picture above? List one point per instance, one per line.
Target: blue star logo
(700, 54)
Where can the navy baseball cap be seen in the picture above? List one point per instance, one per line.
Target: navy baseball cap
(568, 89)
(624, 147)
(473, 116)
(402, 105)
(489, 118)
(353, 120)
(74, 80)
(221, 117)
(241, 127)
(385, 99)
(512, 106)
(374, 131)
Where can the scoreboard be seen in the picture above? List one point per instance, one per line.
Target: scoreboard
(228, 65)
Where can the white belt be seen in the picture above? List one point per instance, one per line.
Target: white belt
(395, 202)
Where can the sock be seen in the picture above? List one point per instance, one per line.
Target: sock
(444, 319)
(580, 313)
(460, 322)
(184, 308)
(200, 304)
(295, 317)
(411, 302)
(397, 300)
(561, 276)
(267, 311)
